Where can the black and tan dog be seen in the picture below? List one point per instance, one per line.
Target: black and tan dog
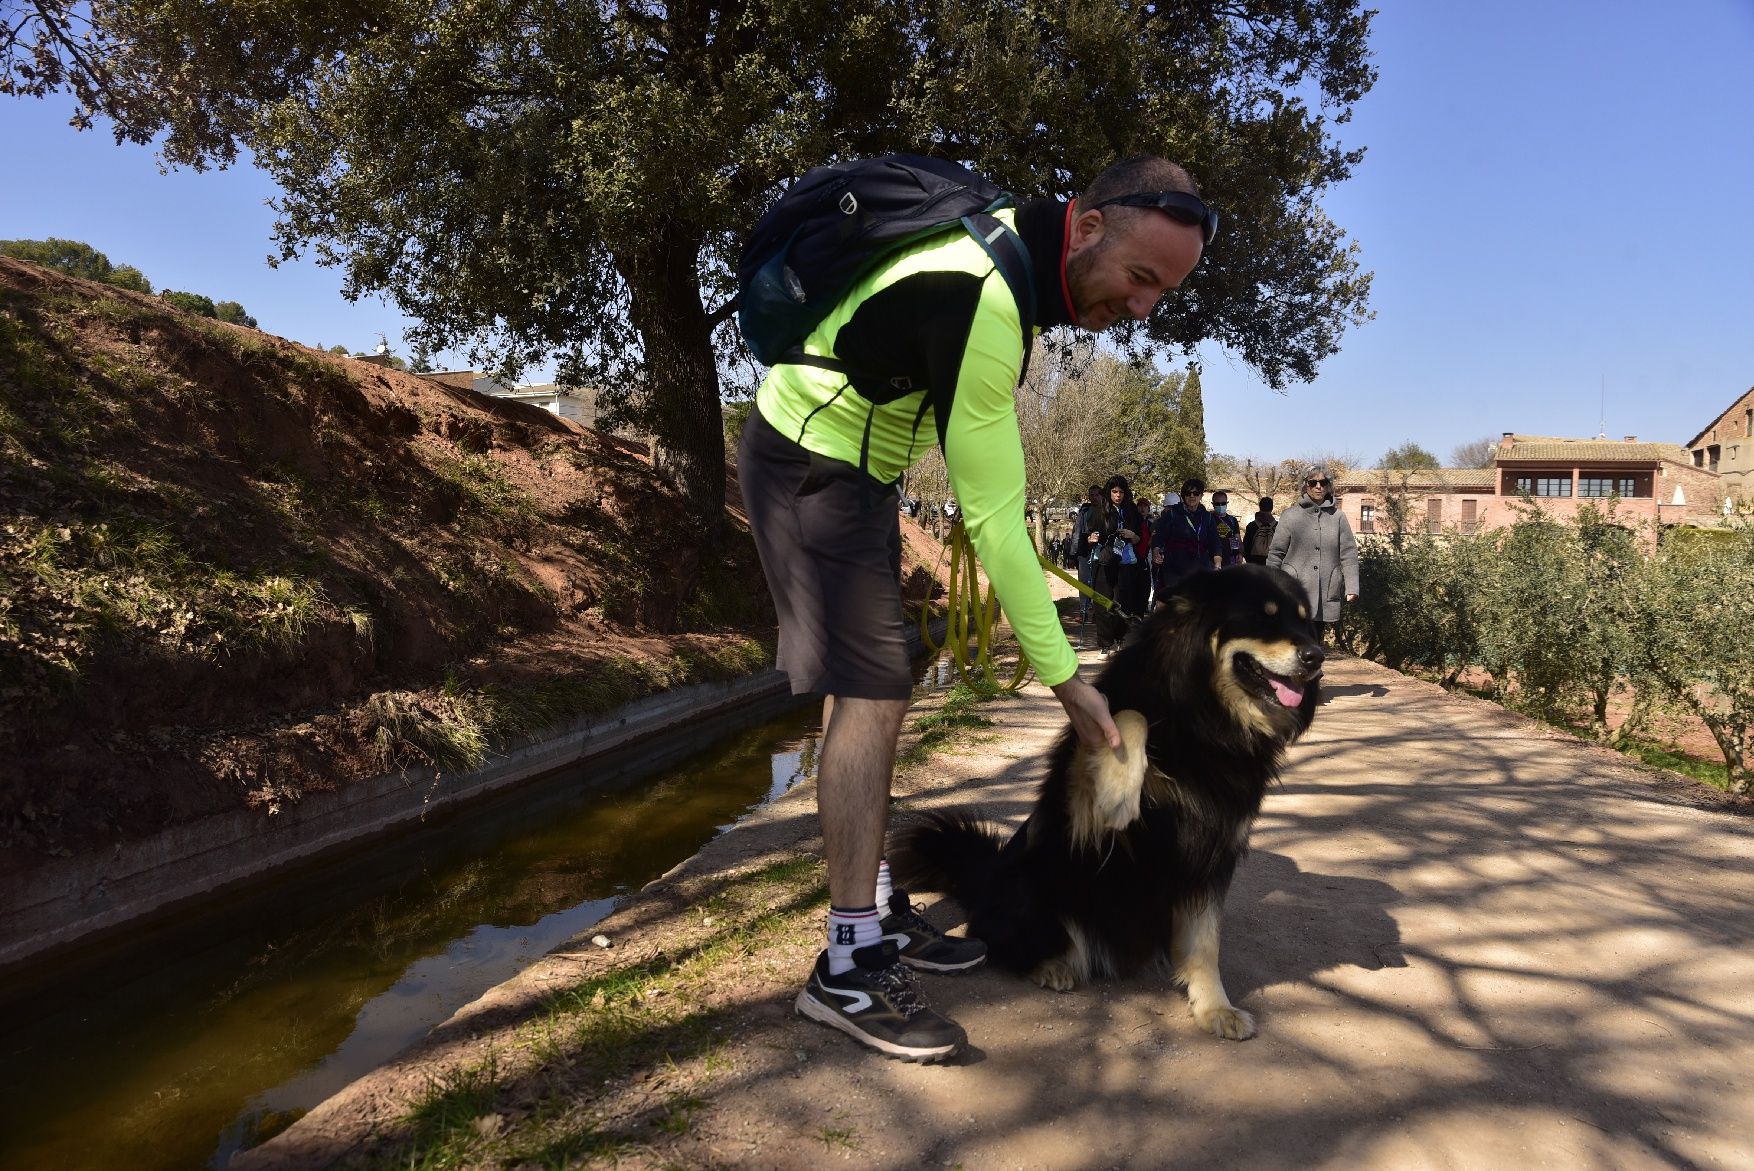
(1126, 857)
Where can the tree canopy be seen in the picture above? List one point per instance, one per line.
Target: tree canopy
(536, 179)
(1409, 457)
(77, 258)
(1476, 453)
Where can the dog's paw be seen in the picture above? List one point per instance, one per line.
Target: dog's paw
(1116, 811)
(1226, 1022)
(1118, 776)
(1055, 975)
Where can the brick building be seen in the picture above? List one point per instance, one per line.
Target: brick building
(1653, 483)
(1726, 446)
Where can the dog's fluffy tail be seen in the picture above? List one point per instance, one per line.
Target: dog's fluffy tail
(954, 852)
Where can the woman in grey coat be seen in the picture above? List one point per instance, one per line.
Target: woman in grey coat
(1314, 544)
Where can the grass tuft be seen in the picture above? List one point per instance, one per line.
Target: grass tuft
(958, 714)
(406, 731)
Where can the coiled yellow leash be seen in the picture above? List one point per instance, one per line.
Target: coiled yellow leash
(970, 616)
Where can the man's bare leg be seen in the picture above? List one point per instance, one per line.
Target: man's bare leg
(852, 793)
(876, 1005)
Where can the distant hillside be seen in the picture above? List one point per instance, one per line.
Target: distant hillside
(233, 569)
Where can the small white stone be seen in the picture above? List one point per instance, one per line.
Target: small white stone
(600, 940)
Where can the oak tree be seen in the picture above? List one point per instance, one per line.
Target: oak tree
(541, 180)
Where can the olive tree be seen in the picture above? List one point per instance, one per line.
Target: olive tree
(1695, 608)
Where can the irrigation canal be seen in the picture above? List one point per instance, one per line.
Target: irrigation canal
(214, 1032)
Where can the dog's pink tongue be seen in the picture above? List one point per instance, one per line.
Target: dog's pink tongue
(1288, 695)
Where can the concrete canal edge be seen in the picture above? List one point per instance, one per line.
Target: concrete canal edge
(77, 899)
(82, 898)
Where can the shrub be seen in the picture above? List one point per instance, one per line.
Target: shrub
(1696, 607)
(190, 302)
(1559, 614)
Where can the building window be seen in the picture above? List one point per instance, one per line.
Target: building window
(1469, 521)
(1543, 485)
(1748, 423)
(1434, 515)
(1602, 486)
(1367, 517)
(1699, 457)
(1711, 455)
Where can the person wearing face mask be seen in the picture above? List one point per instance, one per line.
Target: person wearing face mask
(1313, 543)
(1228, 529)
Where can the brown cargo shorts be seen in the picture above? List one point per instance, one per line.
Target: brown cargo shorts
(830, 543)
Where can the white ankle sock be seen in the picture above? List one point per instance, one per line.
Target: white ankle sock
(885, 887)
(849, 930)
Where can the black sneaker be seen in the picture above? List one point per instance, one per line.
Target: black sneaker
(925, 947)
(878, 1004)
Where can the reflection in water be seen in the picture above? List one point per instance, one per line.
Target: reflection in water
(213, 1033)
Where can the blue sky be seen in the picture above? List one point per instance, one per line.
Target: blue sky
(1557, 197)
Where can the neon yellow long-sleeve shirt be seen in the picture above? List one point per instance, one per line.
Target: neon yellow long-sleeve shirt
(936, 348)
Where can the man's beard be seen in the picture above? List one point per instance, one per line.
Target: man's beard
(1078, 278)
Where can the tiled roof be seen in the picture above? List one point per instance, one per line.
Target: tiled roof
(1536, 447)
(1426, 479)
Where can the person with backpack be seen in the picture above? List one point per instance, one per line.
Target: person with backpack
(1085, 535)
(1257, 538)
(896, 302)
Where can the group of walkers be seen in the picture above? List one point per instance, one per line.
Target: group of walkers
(1124, 553)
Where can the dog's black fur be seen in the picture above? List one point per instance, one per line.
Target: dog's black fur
(1214, 735)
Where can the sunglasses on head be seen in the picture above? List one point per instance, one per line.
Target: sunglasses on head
(1177, 205)
(1317, 483)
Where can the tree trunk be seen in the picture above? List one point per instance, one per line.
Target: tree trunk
(679, 406)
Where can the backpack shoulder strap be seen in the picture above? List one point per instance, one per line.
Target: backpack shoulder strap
(1010, 255)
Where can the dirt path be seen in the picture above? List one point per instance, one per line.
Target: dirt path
(1468, 942)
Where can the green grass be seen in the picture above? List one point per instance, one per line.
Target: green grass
(1665, 756)
(451, 1104)
(843, 1137)
(957, 715)
(1652, 752)
(492, 504)
(651, 1013)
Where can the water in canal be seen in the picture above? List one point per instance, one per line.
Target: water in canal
(214, 1032)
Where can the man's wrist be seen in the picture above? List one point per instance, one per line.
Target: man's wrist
(1068, 681)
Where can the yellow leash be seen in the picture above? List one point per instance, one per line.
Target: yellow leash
(971, 616)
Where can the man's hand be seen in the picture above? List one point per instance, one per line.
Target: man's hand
(1351, 597)
(1088, 709)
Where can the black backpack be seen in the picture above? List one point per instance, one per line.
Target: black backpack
(1261, 540)
(838, 222)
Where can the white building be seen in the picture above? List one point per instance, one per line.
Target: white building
(569, 402)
